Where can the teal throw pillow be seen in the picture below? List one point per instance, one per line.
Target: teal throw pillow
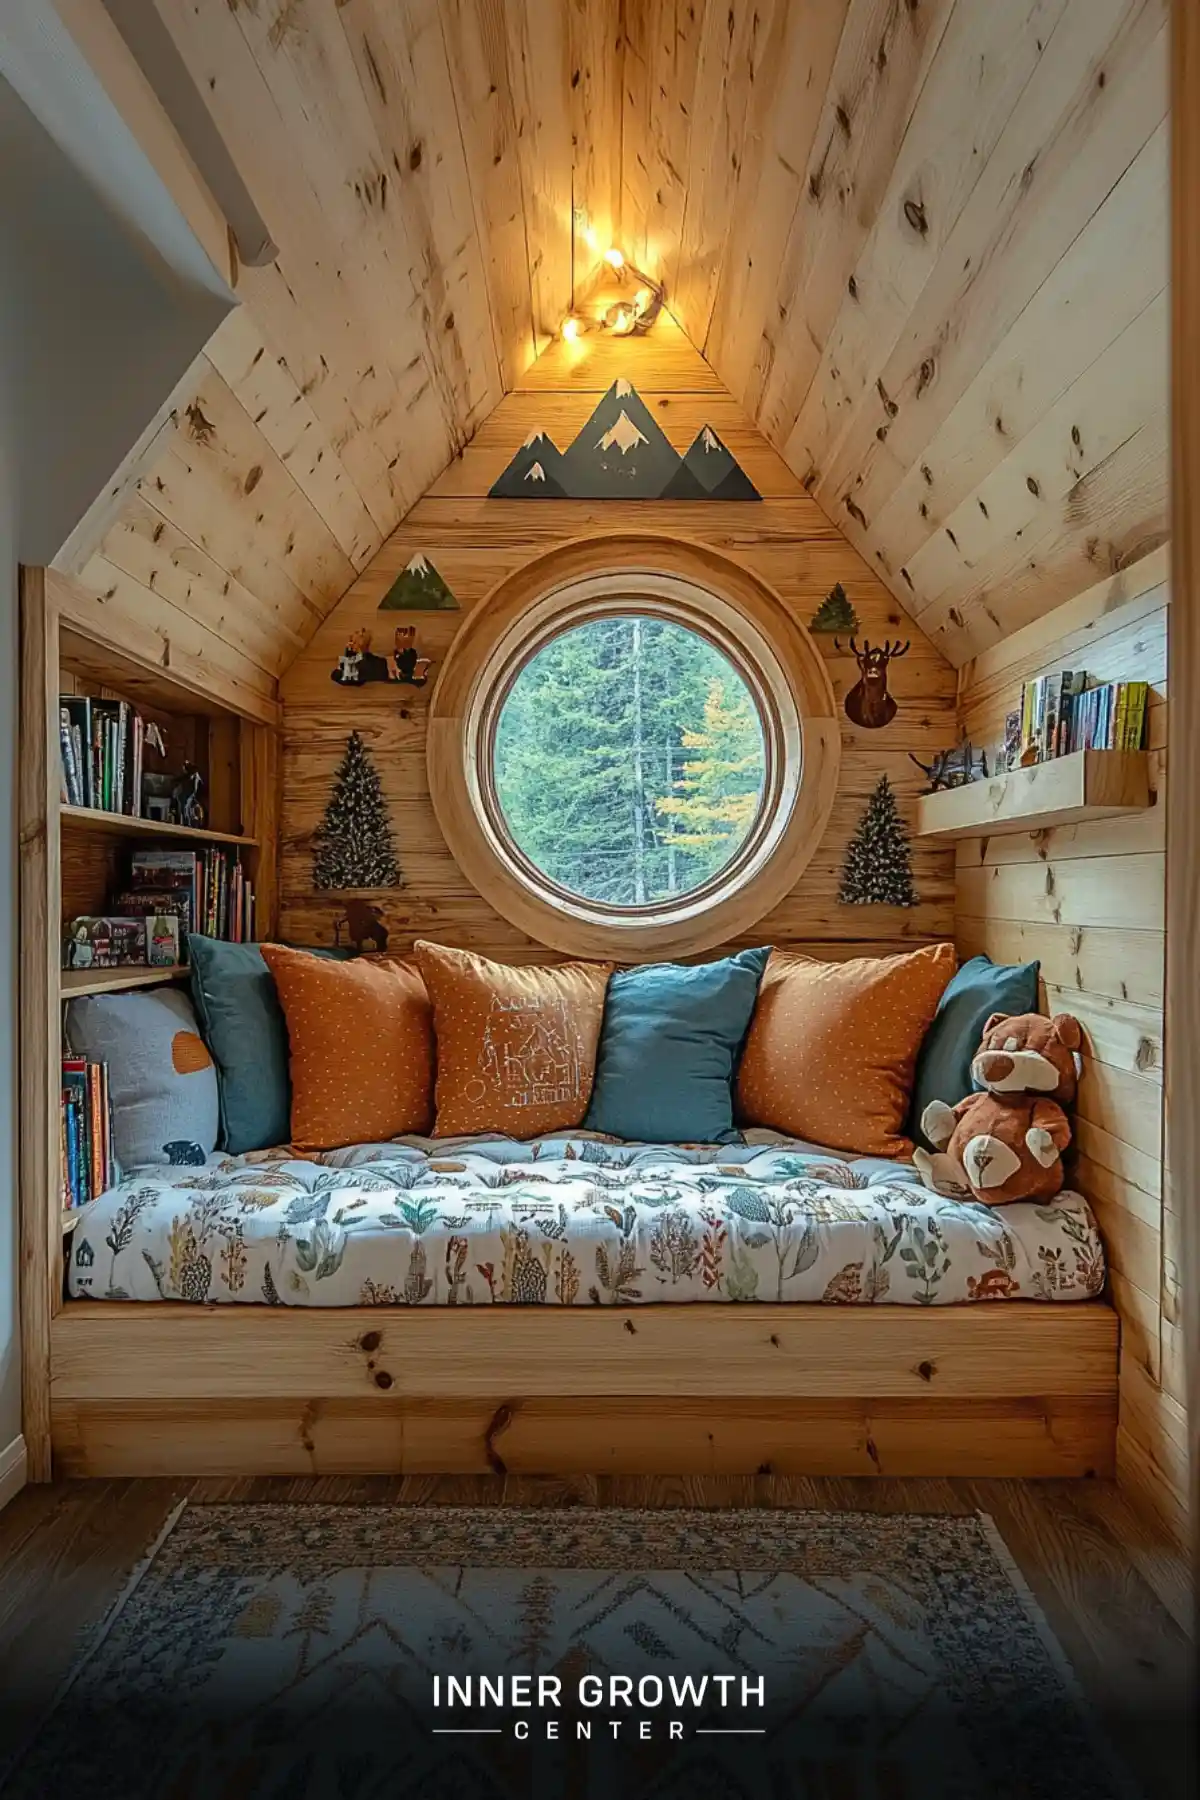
(980, 988)
(243, 1025)
(669, 1047)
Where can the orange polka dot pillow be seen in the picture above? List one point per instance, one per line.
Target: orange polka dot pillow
(832, 1047)
(360, 1048)
(516, 1047)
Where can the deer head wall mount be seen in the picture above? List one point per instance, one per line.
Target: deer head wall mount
(868, 703)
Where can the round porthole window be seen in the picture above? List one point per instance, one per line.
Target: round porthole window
(632, 749)
(628, 762)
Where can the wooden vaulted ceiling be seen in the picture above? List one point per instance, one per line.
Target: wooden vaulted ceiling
(923, 242)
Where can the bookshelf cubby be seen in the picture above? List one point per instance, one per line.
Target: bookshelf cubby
(73, 859)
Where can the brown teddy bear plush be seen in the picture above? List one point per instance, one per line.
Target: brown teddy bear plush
(1007, 1142)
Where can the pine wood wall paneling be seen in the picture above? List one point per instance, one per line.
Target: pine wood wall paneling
(147, 628)
(474, 542)
(1089, 901)
(941, 288)
(438, 179)
(1181, 1336)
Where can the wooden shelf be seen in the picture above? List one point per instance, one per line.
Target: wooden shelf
(1091, 784)
(90, 818)
(73, 982)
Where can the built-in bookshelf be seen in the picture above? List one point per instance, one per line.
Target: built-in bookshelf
(74, 859)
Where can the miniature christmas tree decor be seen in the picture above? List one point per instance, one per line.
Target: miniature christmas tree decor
(878, 867)
(353, 843)
(835, 613)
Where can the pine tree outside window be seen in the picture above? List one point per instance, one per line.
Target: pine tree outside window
(629, 761)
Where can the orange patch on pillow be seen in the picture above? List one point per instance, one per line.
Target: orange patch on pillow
(516, 1047)
(832, 1046)
(189, 1054)
(361, 1048)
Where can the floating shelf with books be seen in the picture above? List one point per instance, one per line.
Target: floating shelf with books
(1067, 790)
(74, 982)
(90, 818)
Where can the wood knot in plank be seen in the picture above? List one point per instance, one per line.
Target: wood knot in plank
(370, 1340)
(631, 1328)
(500, 1421)
(382, 1379)
(926, 1371)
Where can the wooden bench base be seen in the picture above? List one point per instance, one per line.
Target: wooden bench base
(1002, 1390)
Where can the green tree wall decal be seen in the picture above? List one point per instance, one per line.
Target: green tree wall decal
(352, 846)
(835, 613)
(878, 866)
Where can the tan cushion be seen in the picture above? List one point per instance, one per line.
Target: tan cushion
(361, 1048)
(516, 1047)
(832, 1047)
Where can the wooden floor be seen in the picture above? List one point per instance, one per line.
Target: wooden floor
(1115, 1596)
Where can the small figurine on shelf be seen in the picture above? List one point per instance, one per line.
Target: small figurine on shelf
(953, 768)
(187, 803)
(407, 664)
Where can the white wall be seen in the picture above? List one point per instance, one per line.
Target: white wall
(99, 321)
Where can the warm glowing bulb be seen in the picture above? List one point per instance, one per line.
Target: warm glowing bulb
(621, 322)
(570, 329)
(614, 259)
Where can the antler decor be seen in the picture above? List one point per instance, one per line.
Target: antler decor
(868, 703)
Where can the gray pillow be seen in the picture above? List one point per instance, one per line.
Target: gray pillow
(160, 1075)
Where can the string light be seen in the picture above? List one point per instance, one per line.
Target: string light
(614, 259)
(570, 328)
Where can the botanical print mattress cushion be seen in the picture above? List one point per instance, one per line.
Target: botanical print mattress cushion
(570, 1221)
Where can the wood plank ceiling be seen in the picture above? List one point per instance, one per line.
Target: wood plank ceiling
(924, 243)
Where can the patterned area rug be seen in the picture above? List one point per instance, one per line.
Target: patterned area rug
(363, 1651)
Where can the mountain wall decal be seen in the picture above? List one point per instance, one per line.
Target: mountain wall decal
(418, 588)
(622, 453)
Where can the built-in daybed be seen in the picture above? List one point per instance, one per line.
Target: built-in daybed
(526, 1310)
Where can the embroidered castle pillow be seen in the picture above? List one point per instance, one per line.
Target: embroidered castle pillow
(516, 1047)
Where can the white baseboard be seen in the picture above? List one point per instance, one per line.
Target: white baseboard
(12, 1470)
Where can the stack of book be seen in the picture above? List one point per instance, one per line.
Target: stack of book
(88, 1164)
(103, 746)
(206, 890)
(1060, 714)
(170, 893)
(1112, 717)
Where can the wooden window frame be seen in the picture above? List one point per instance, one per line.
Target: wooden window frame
(740, 616)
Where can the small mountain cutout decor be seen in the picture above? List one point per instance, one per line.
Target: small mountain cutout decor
(878, 866)
(622, 453)
(352, 846)
(418, 588)
(835, 613)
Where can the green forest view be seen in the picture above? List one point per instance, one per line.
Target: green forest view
(629, 760)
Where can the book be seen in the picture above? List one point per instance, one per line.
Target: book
(88, 1166)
